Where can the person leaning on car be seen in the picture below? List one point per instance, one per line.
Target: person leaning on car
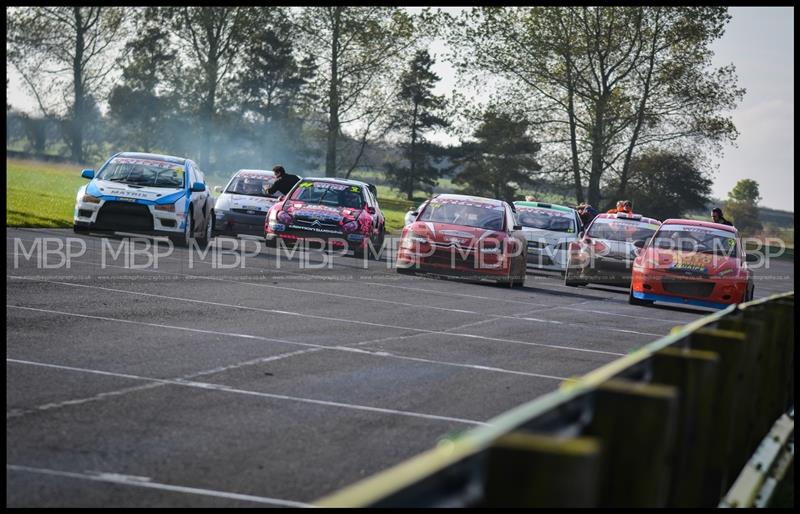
(717, 217)
(284, 182)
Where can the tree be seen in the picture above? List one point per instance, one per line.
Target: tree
(139, 107)
(501, 161)
(63, 50)
(358, 48)
(666, 185)
(209, 41)
(607, 80)
(274, 84)
(741, 207)
(416, 113)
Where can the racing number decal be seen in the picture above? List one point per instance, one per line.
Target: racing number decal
(306, 184)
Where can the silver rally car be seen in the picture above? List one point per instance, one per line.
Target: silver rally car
(243, 205)
(549, 229)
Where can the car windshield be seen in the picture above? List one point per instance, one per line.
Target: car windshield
(621, 230)
(696, 239)
(252, 185)
(545, 220)
(329, 193)
(142, 172)
(487, 216)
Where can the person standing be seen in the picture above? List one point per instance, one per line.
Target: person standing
(717, 217)
(283, 183)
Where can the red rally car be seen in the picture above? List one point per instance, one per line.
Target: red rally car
(466, 236)
(692, 262)
(341, 213)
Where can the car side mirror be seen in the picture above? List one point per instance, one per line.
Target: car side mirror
(639, 244)
(517, 227)
(88, 173)
(371, 210)
(580, 234)
(198, 187)
(750, 257)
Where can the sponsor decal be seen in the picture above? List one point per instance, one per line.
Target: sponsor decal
(122, 199)
(148, 162)
(547, 212)
(469, 203)
(315, 229)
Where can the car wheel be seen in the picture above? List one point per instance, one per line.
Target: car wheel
(209, 228)
(635, 301)
(184, 239)
(80, 229)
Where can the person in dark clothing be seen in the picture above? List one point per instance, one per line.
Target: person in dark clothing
(717, 217)
(283, 183)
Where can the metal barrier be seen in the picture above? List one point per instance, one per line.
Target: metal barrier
(670, 424)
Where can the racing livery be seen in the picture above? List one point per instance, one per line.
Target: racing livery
(342, 213)
(146, 193)
(243, 205)
(466, 236)
(605, 252)
(549, 229)
(692, 262)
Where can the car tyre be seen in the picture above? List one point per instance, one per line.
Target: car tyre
(572, 283)
(80, 229)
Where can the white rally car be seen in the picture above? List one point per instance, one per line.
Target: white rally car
(146, 193)
(549, 229)
(244, 203)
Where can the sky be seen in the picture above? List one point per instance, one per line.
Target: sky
(759, 41)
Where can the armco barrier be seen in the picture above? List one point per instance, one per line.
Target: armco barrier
(671, 424)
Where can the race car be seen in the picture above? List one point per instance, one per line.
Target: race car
(549, 229)
(692, 263)
(466, 236)
(340, 213)
(605, 252)
(243, 205)
(146, 193)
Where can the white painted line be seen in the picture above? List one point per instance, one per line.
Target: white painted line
(297, 343)
(146, 482)
(624, 315)
(449, 293)
(312, 316)
(361, 298)
(16, 413)
(232, 390)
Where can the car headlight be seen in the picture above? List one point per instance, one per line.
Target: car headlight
(169, 207)
(87, 198)
(284, 217)
(351, 226)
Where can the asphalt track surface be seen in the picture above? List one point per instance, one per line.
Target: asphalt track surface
(273, 384)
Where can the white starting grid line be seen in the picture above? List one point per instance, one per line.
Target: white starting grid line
(15, 413)
(379, 300)
(146, 482)
(338, 320)
(359, 298)
(232, 390)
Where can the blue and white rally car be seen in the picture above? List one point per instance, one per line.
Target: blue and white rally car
(146, 193)
(549, 229)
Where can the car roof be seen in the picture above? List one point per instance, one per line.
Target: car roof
(643, 219)
(453, 196)
(345, 181)
(257, 172)
(152, 157)
(700, 223)
(544, 205)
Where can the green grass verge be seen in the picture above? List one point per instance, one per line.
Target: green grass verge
(41, 194)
